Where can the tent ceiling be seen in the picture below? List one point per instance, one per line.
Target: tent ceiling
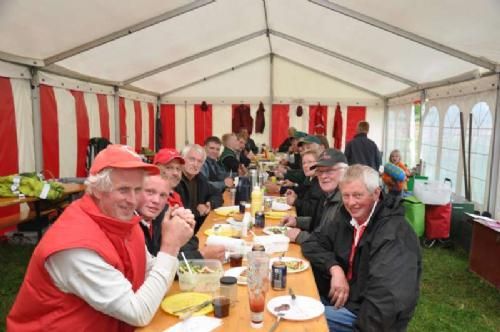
(176, 43)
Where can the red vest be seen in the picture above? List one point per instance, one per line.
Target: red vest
(40, 305)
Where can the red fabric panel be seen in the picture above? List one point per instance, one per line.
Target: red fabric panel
(317, 119)
(82, 132)
(337, 128)
(279, 124)
(355, 114)
(123, 120)
(138, 125)
(202, 123)
(50, 133)
(167, 120)
(151, 111)
(8, 141)
(102, 100)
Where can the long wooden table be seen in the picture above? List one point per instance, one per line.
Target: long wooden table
(239, 318)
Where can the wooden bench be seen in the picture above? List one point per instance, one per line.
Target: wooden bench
(17, 218)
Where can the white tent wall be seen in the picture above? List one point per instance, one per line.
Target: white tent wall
(292, 84)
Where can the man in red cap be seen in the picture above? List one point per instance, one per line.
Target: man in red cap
(170, 163)
(91, 270)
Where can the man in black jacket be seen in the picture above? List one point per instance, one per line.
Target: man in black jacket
(361, 149)
(369, 257)
(329, 169)
(194, 188)
(152, 209)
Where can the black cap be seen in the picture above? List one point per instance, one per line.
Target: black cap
(330, 157)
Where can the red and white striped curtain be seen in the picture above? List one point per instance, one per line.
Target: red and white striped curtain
(16, 132)
(137, 123)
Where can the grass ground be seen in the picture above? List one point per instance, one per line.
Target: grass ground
(452, 298)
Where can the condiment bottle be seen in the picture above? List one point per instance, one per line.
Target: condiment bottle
(229, 289)
(256, 204)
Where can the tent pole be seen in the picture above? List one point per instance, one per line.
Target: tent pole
(464, 160)
(386, 125)
(37, 120)
(495, 162)
(271, 95)
(116, 117)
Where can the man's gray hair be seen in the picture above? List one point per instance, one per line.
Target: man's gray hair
(368, 176)
(197, 148)
(99, 182)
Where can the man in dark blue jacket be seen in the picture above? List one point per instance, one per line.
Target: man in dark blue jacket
(361, 149)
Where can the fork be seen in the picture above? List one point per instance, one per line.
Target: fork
(276, 323)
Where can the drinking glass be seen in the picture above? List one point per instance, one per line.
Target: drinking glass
(258, 285)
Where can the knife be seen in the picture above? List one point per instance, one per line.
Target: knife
(192, 308)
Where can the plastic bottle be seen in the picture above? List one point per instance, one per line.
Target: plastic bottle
(257, 198)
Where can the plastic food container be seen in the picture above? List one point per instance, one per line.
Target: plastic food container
(273, 243)
(205, 277)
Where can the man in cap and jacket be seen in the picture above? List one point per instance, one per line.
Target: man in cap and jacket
(91, 270)
(330, 168)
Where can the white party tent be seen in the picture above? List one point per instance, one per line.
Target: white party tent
(71, 70)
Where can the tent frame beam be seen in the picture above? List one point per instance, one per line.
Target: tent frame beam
(373, 93)
(492, 66)
(196, 56)
(491, 205)
(222, 72)
(21, 60)
(126, 31)
(344, 58)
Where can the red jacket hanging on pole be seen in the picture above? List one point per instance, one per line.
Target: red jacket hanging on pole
(319, 123)
(242, 118)
(337, 128)
(260, 121)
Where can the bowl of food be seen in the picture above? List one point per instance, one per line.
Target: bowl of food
(200, 275)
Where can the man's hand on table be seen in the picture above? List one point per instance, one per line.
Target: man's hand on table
(292, 234)
(290, 221)
(177, 228)
(213, 252)
(339, 287)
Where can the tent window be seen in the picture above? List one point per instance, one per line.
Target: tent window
(450, 146)
(482, 129)
(430, 142)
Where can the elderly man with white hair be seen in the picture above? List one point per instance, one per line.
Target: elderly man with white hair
(194, 188)
(91, 270)
(370, 257)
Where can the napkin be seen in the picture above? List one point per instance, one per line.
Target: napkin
(196, 324)
(278, 206)
(273, 243)
(227, 242)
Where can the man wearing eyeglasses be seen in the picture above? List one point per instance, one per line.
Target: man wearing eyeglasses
(329, 171)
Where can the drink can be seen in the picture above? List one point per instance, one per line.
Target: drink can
(268, 203)
(260, 219)
(278, 276)
(258, 247)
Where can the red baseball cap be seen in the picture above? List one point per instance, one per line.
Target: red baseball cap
(164, 156)
(120, 156)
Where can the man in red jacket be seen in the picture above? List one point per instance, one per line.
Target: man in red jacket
(91, 270)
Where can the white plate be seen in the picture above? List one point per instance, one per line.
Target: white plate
(234, 222)
(303, 267)
(267, 230)
(303, 308)
(236, 272)
(277, 206)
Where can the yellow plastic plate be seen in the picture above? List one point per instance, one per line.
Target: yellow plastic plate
(276, 214)
(227, 210)
(183, 300)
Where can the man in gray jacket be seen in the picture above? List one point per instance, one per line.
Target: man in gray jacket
(330, 168)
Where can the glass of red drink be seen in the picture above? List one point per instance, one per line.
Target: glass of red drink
(258, 285)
